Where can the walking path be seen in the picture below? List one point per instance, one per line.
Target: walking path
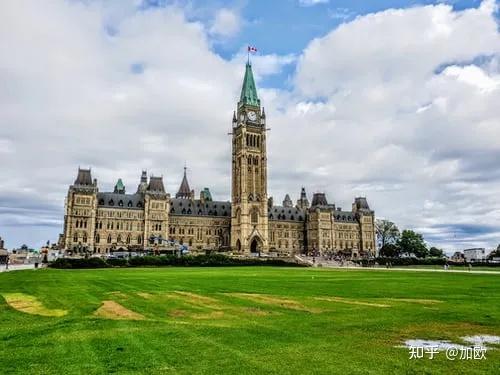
(17, 267)
(424, 270)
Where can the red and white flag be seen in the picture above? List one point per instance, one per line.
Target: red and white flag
(252, 49)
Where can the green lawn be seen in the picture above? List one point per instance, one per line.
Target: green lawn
(248, 320)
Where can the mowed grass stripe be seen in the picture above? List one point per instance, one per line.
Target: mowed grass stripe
(341, 338)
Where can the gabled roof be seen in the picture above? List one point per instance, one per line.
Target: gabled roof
(345, 216)
(286, 213)
(156, 185)
(249, 90)
(84, 177)
(123, 201)
(319, 199)
(361, 203)
(194, 207)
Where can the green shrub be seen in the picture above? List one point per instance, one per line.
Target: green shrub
(213, 260)
(79, 263)
(117, 262)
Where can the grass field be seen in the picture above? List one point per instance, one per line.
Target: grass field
(248, 320)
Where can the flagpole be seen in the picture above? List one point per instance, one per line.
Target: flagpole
(248, 55)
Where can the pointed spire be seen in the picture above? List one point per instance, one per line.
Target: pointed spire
(303, 193)
(248, 90)
(184, 190)
(263, 115)
(303, 202)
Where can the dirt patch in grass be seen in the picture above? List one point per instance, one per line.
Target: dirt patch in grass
(118, 294)
(275, 301)
(416, 300)
(30, 305)
(350, 301)
(145, 295)
(115, 311)
(198, 300)
(178, 313)
(218, 314)
(256, 311)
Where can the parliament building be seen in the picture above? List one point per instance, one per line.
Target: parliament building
(101, 222)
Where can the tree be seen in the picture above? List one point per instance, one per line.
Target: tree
(412, 243)
(389, 250)
(435, 252)
(387, 232)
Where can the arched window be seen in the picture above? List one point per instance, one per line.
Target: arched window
(97, 238)
(120, 203)
(109, 238)
(183, 211)
(139, 239)
(75, 237)
(129, 203)
(111, 202)
(128, 239)
(119, 238)
(255, 216)
(85, 238)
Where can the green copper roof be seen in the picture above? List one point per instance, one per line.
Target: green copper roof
(119, 187)
(249, 91)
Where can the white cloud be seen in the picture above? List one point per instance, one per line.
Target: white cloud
(308, 3)
(402, 120)
(227, 23)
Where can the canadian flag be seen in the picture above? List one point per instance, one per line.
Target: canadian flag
(252, 49)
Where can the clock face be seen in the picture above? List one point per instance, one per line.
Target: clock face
(252, 116)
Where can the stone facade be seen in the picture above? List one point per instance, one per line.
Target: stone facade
(101, 222)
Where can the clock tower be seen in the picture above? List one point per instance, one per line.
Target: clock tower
(249, 219)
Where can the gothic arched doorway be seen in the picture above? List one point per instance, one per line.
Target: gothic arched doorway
(255, 245)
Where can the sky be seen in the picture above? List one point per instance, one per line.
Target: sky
(397, 101)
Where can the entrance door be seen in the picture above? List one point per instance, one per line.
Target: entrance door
(254, 246)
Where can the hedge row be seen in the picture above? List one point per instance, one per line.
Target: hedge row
(217, 260)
